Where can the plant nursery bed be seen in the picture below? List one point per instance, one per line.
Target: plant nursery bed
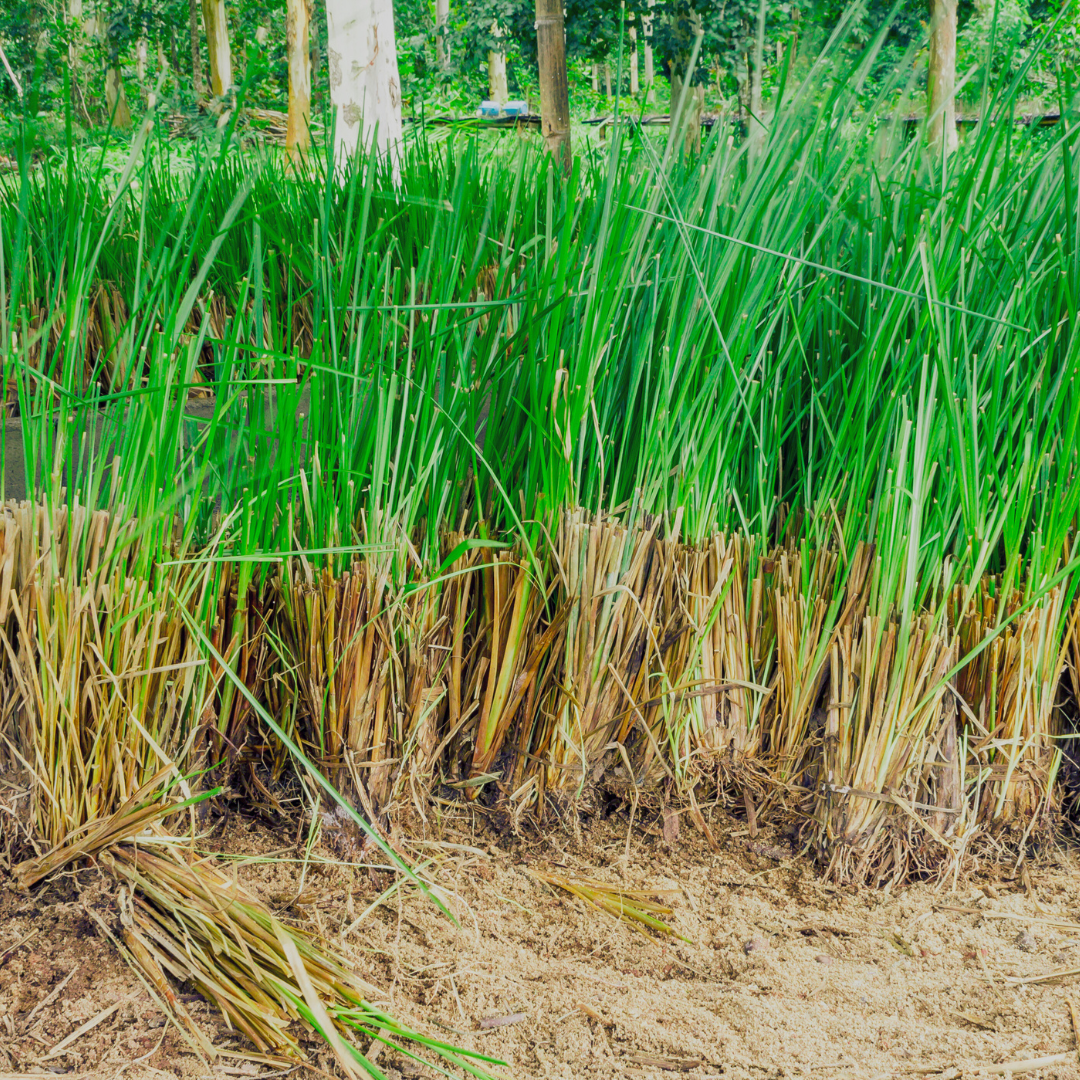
(781, 975)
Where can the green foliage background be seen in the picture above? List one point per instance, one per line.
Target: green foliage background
(38, 36)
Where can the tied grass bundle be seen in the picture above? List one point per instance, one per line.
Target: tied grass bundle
(196, 924)
(187, 920)
(885, 724)
(727, 716)
(1011, 694)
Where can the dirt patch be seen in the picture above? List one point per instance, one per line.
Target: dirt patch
(783, 976)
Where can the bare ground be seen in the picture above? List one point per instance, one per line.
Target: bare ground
(785, 976)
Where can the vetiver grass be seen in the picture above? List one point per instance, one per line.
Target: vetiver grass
(680, 475)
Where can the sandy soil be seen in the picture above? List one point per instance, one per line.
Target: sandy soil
(785, 976)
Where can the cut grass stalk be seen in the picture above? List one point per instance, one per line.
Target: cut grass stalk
(632, 906)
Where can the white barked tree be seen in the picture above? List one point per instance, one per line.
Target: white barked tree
(442, 48)
(941, 91)
(498, 89)
(217, 44)
(298, 50)
(365, 88)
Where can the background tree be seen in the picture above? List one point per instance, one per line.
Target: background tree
(496, 61)
(941, 86)
(442, 18)
(365, 87)
(298, 132)
(116, 30)
(196, 49)
(554, 88)
(217, 44)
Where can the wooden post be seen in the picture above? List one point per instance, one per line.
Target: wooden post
(297, 44)
(554, 88)
(941, 89)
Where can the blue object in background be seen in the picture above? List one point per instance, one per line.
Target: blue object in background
(492, 109)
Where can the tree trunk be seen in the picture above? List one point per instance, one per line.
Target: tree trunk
(174, 52)
(650, 72)
(497, 88)
(686, 113)
(196, 52)
(116, 99)
(10, 72)
(298, 131)
(365, 87)
(595, 78)
(217, 42)
(442, 17)
(316, 54)
(941, 91)
(695, 111)
(635, 85)
(742, 83)
(607, 78)
(141, 49)
(554, 87)
(162, 66)
(75, 20)
(756, 121)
